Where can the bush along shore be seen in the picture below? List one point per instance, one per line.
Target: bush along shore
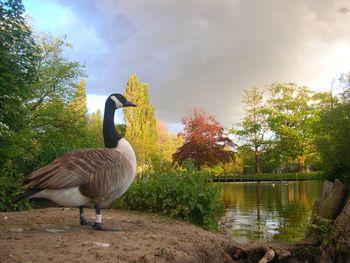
(189, 196)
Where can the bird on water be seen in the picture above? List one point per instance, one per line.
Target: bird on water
(89, 177)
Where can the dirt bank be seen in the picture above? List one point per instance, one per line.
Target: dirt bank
(54, 235)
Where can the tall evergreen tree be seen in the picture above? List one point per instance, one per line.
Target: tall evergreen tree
(141, 125)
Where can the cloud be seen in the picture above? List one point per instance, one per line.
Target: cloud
(203, 53)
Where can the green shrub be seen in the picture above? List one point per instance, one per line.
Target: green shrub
(12, 175)
(325, 228)
(10, 187)
(187, 196)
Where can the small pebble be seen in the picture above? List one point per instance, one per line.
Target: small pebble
(101, 244)
(18, 230)
(54, 230)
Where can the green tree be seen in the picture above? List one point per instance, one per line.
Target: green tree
(291, 117)
(39, 100)
(141, 125)
(333, 132)
(56, 76)
(95, 130)
(76, 111)
(253, 129)
(17, 72)
(247, 155)
(49, 126)
(57, 122)
(61, 127)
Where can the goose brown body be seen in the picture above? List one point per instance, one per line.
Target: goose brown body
(101, 175)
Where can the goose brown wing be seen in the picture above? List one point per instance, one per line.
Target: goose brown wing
(113, 179)
(73, 169)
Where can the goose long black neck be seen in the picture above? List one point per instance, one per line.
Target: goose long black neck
(111, 136)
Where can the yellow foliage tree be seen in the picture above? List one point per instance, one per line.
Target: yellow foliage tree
(141, 128)
(168, 144)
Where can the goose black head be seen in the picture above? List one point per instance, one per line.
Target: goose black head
(119, 101)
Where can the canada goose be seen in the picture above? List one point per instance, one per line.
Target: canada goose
(89, 177)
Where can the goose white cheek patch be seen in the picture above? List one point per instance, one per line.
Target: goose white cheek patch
(98, 218)
(118, 104)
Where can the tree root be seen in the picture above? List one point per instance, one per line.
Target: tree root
(276, 252)
(269, 255)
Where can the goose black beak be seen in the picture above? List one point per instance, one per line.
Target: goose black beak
(129, 104)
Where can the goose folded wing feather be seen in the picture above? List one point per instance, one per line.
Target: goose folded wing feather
(74, 169)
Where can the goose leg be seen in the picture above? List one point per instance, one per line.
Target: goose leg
(98, 222)
(83, 220)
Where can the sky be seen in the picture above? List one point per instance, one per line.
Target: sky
(199, 53)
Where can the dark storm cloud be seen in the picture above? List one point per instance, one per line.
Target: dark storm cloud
(204, 53)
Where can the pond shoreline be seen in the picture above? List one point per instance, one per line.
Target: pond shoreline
(244, 180)
(270, 177)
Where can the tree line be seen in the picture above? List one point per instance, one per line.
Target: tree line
(291, 128)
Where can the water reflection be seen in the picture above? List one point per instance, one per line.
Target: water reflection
(269, 211)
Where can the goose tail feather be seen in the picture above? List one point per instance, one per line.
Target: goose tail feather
(26, 195)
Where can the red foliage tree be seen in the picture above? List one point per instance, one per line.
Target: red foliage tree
(205, 141)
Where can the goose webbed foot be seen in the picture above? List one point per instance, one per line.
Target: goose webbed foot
(86, 222)
(101, 227)
(83, 220)
(98, 222)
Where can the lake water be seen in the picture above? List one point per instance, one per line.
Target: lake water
(267, 211)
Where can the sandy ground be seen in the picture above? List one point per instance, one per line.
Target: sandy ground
(55, 235)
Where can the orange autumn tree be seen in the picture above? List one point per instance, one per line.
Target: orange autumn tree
(205, 141)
